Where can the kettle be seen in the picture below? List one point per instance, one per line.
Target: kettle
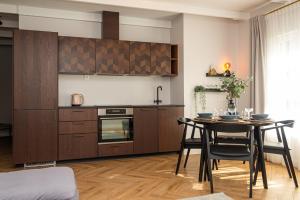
(77, 99)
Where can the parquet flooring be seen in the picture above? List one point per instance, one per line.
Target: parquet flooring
(152, 177)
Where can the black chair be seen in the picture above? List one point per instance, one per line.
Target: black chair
(280, 148)
(188, 143)
(237, 151)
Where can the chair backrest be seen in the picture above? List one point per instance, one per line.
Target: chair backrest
(232, 129)
(229, 128)
(183, 120)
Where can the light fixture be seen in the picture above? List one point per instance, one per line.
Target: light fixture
(227, 67)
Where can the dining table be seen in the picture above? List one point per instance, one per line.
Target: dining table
(257, 124)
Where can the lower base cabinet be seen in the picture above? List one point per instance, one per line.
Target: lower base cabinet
(115, 149)
(77, 146)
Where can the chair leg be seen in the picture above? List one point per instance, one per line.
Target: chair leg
(251, 177)
(287, 165)
(186, 157)
(215, 164)
(201, 166)
(288, 155)
(256, 172)
(179, 160)
(208, 162)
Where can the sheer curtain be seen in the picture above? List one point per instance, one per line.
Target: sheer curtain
(282, 75)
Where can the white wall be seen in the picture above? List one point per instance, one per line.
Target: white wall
(177, 83)
(207, 41)
(99, 90)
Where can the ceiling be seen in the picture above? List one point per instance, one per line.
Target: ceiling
(232, 5)
(157, 9)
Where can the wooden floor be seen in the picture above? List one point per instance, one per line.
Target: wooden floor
(152, 177)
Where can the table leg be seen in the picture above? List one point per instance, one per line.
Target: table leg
(261, 160)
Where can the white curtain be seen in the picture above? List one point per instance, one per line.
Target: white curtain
(282, 74)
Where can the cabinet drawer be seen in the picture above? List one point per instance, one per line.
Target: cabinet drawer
(79, 114)
(115, 149)
(77, 146)
(78, 127)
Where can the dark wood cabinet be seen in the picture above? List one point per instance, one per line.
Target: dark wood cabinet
(76, 55)
(140, 60)
(35, 92)
(112, 57)
(161, 58)
(35, 136)
(145, 130)
(35, 70)
(77, 146)
(77, 114)
(169, 133)
(115, 149)
(78, 136)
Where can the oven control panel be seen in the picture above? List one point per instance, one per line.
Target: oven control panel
(115, 111)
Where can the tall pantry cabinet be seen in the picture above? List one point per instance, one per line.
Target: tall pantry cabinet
(35, 96)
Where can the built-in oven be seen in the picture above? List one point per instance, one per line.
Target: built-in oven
(115, 124)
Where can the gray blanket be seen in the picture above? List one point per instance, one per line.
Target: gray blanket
(55, 183)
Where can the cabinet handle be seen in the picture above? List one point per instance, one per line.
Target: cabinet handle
(78, 123)
(78, 136)
(77, 111)
(145, 109)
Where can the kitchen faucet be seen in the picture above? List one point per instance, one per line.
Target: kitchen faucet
(157, 101)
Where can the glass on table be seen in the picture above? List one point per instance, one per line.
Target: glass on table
(248, 112)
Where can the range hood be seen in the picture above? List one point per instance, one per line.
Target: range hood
(110, 25)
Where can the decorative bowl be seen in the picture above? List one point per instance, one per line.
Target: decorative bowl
(205, 115)
(229, 117)
(259, 116)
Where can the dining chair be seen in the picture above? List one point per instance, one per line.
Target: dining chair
(188, 143)
(229, 151)
(281, 147)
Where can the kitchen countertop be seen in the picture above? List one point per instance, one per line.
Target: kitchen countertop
(123, 106)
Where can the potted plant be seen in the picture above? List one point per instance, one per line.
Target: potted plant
(199, 91)
(234, 87)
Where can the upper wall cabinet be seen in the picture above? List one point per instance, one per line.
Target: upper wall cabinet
(161, 58)
(112, 57)
(77, 55)
(140, 55)
(35, 70)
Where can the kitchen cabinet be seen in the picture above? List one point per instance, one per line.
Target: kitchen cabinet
(77, 146)
(115, 149)
(35, 70)
(145, 130)
(112, 57)
(169, 132)
(140, 63)
(34, 136)
(78, 136)
(161, 58)
(76, 55)
(34, 96)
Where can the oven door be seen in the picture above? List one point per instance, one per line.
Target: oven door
(115, 129)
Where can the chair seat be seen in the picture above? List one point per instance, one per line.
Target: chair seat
(193, 142)
(232, 139)
(229, 150)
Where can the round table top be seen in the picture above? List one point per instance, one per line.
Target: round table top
(251, 122)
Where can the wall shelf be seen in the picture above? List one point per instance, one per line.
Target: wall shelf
(217, 75)
(213, 90)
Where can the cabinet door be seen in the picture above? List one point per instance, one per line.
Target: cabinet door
(170, 133)
(77, 55)
(140, 58)
(85, 145)
(35, 70)
(161, 58)
(35, 136)
(112, 57)
(145, 130)
(77, 146)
